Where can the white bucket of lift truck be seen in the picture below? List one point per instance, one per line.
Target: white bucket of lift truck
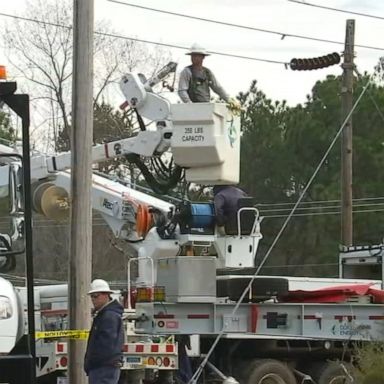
(206, 141)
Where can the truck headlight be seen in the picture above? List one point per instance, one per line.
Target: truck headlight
(6, 309)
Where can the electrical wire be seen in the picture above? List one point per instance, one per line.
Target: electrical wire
(199, 370)
(232, 25)
(41, 220)
(44, 225)
(321, 207)
(320, 213)
(319, 201)
(335, 9)
(101, 223)
(360, 76)
(117, 36)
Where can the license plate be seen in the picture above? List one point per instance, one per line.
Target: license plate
(133, 360)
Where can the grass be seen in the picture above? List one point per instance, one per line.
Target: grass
(369, 363)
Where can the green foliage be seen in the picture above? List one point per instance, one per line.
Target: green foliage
(109, 124)
(369, 363)
(281, 148)
(262, 144)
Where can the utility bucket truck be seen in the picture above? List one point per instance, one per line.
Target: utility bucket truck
(193, 280)
(205, 139)
(255, 329)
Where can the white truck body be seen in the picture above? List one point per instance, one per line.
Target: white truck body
(11, 317)
(256, 336)
(51, 304)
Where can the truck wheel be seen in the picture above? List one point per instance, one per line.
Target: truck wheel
(330, 372)
(268, 371)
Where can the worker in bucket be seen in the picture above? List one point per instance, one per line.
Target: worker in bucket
(196, 81)
(103, 358)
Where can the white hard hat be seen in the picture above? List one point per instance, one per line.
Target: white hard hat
(99, 285)
(198, 50)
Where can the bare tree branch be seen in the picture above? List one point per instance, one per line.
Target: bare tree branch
(42, 54)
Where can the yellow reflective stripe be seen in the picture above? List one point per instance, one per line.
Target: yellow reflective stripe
(69, 334)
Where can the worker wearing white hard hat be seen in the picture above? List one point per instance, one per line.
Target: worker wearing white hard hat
(197, 49)
(99, 285)
(103, 357)
(196, 81)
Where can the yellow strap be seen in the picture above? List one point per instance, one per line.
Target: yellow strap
(69, 334)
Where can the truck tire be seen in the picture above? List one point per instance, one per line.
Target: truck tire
(269, 371)
(330, 372)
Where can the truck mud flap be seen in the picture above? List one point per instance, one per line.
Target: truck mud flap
(263, 288)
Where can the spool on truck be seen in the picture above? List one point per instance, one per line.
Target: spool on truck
(256, 329)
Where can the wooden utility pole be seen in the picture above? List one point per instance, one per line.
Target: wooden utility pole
(346, 139)
(80, 258)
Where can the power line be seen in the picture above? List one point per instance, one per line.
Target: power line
(335, 9)
(271, 247)
(186, 48)
(282, 34)
(43, 222)
(35, 21)
(360, 76)
(117, 36)
(321, 213)
(316, 208)
(309, 183)
(315, 202)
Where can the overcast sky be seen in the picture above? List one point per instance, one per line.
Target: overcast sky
(275, 15)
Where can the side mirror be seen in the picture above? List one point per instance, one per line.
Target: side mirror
(16, 189)
(11, 211)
